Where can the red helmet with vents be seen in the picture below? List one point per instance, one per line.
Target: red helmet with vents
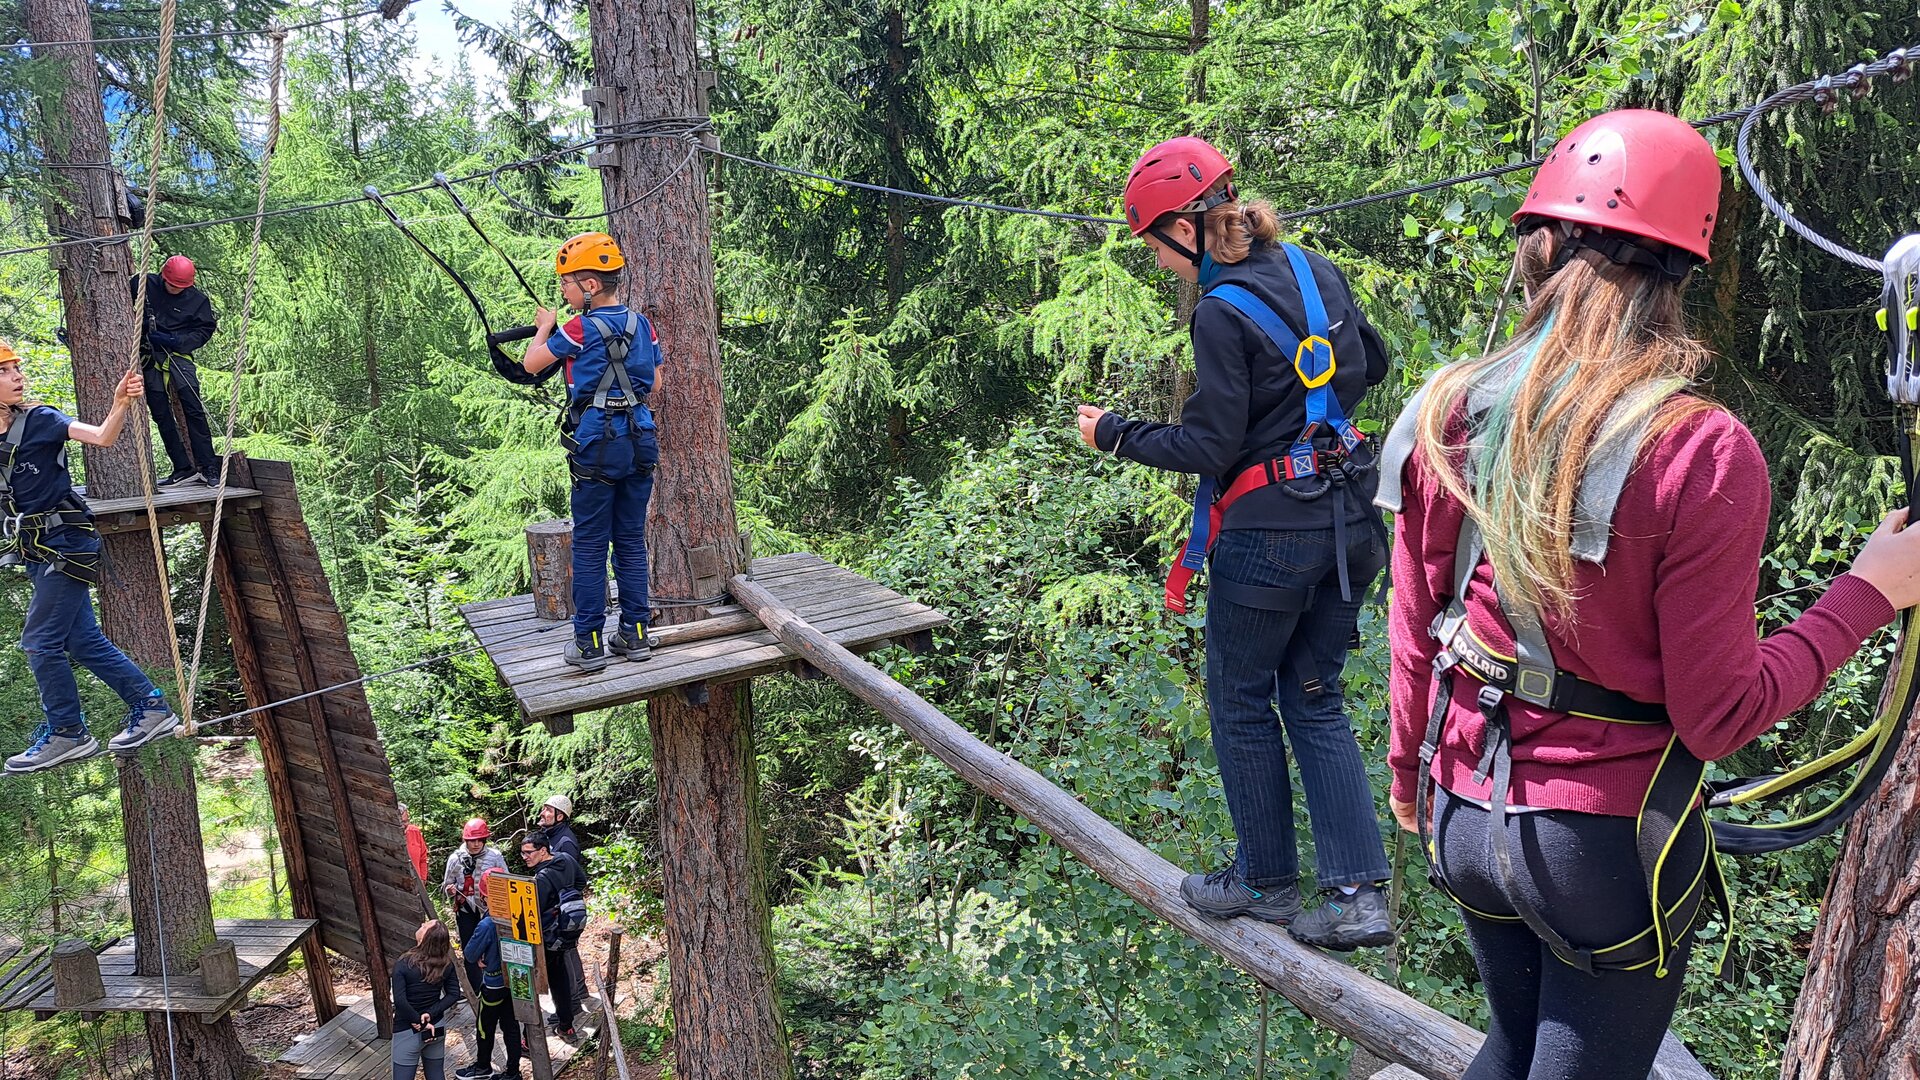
(1633, 171)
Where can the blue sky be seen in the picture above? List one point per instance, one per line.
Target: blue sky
(434, 27)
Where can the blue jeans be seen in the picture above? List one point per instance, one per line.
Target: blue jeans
(61, 631)
(1255, 659)
(611, 512)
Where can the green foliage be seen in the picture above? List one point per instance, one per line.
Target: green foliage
(900, 379)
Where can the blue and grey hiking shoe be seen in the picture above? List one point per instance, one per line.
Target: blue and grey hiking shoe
(146, 722)
(49, 749)
(1225, 893)
(586, 652)
(631, 642)
(1345, 923)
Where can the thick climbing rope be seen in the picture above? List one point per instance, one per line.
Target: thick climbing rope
(239, 368)
(143, 439)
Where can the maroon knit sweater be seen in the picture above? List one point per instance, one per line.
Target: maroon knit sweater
(1669, 618)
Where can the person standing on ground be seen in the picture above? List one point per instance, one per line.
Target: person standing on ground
(1282, 355)
(560, 891)
(461, 881)
(424, 988)
(496, 1004)
(556, 817)
(178, 322)
(416, 842)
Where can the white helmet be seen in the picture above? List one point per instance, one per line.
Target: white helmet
(561, 803)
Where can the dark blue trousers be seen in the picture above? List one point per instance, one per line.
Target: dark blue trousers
(611, 491)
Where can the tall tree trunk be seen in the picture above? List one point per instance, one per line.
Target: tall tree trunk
(159, 802)
(1859, 1011)
(726, 1011)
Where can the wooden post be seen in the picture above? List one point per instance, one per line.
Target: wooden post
(610, 1033)
(726, 1010)
(550, 560)
(608, 987)
(1388, 1023)
(533, 1023)
(220, 968)
(76, 975)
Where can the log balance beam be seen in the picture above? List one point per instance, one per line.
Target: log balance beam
(1388, 1023)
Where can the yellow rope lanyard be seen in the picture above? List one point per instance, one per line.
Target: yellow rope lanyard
(279, 37)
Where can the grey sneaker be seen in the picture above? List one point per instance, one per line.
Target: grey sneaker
(1345, 923)
(145, 723)
(49, 749)
(631, 643)
(587, 653)
(1224, 894)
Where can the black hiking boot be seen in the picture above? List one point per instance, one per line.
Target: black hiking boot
(586, 652)
(631, 642)
(1224, 894)
(1345, 923)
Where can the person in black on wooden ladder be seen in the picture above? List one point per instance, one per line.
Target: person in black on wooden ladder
(45, 526)
(179, 321)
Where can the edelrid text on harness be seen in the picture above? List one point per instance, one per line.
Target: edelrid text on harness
(1328, 453)
(23, 536)
(613, 394)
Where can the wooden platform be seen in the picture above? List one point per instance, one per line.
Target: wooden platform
(262, 946)
(176, 505)
(850, 609)
(349, 1048)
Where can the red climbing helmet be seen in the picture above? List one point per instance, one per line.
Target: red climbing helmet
(1633, 171)
(1173, 178)
(177, 271)
(476, 829)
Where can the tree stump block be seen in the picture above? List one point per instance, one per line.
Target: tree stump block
(220, 968)
(76, 975)
(550, 556)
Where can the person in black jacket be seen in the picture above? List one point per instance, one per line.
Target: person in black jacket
(556, 820)
(178, 321)
(424, 988)
(556, 878)
(1282, 356)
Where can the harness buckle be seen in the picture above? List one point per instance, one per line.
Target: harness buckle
(1489, 699)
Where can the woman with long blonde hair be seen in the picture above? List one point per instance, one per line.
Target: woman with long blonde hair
(1572, 623)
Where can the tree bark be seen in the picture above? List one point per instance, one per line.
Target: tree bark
(1857, 1015)
(158, 796)
(726, 1009)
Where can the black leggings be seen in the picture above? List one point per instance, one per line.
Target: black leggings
(1582, 873)
(496, 1010)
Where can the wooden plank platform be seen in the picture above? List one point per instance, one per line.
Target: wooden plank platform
(850, 609)
(262, 946)
(349, 1047)
(176, 505)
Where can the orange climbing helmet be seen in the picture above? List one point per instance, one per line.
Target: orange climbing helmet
(177, 271)
(476, 829)
(7, 355)
(1635, 172)
(588, 251)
